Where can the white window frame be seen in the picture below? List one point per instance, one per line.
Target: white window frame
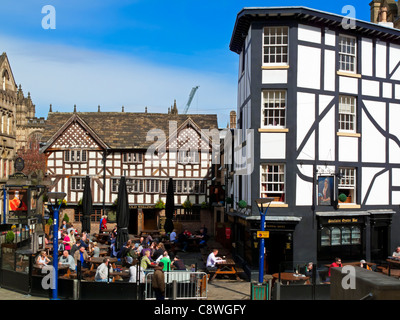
(152, 186)
(132, 157)
(347, 114)
(348, 182)
(75, 155)
(347, 54)
(188, 157)
(276, 114)
(278, 175)
(133, 185)
(276, 48)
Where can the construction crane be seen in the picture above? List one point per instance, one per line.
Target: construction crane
(191, 95)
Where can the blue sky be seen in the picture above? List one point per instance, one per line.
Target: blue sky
(134, 53)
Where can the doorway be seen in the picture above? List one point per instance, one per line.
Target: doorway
(379, 242)
(279, 250)
(150, 219)
(133, 221)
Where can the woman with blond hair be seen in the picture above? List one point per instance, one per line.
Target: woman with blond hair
(42, 259)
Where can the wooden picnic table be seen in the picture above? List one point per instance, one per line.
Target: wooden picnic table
(290, 277)
(96, 261)
(226, 267)
(393, 263)
(123, 274)
(150, 232)
(355, 264)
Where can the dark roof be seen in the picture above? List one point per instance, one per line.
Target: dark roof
(124, 130)
(248, 15)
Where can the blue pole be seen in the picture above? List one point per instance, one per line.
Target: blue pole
(55, 253)
(261, 266)
(4, 205)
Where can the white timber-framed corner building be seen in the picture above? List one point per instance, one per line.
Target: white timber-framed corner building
(324, 103)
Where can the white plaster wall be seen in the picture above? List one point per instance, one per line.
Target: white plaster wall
(394, 129)
(370, 88)
(396, 177)
(373, 143)
(380, 65)
(304, 188)
(274, 76)
(394, 59)
(348, 149)
(309, 33)
(387, 90)
(395, 198)
(327, 134)
(273, 146)
(330, 70)
(330, 37)
(379, 194)
(309, 67)
(305, 120)
(348, 85)
(366, 57)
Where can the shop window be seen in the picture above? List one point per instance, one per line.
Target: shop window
(346, 235)
(325, 237)
(336, 237)
(355, 235)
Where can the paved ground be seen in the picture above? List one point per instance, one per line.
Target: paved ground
(11, 295)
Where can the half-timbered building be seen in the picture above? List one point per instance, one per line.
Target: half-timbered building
(146, 148)
(321, 93)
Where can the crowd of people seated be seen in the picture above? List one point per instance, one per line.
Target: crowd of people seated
(78, 248)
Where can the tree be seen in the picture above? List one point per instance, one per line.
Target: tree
(34, 161)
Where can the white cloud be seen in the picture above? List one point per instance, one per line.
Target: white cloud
(65, 75)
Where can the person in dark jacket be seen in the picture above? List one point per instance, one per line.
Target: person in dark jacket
(158, 282)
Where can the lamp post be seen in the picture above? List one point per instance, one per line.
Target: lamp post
(263, 205)
(56, 209)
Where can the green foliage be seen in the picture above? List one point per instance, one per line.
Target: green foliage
(187, 204)
(10, 237)
(342, 197)
(242, 204)
(160, 204)
(204, 205)
(63, 203)
(66, 218)
(49, 222)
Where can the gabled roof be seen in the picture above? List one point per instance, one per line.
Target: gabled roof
(303, 14)
(123, 130)
(4, 59)
(74, 118)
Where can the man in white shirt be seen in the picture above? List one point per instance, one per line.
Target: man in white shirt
(68, 260)
(102, 271)
(396, 254)
(212, 259)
